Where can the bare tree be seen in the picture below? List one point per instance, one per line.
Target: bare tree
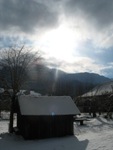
(16, 60)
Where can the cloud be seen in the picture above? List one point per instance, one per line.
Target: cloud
(9, 40)
(26, 16)
(82, 64)
(93, 18)
(99, 13)
(52, 62)
(108, 70)
(100, 55)
(23, 21)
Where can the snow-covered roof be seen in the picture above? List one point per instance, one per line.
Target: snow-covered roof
(1, 90)
(103, 89)
(47, 105)
(33, 93)
(25, 92)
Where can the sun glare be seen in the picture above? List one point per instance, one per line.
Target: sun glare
(61, 42)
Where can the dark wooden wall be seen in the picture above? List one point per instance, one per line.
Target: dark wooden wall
(32, 127)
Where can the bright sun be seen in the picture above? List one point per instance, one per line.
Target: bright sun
(61, 43)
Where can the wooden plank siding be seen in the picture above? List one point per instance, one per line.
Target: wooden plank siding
(33, 127)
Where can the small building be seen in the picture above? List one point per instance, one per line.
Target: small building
(99, 99)
(45, 116)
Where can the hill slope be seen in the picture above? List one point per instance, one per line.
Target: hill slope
(57, 82)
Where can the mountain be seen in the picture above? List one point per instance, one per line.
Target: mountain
(89, 77)
(102, 89)
(56, 82)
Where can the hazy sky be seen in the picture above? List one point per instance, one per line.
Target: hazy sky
(73, 35)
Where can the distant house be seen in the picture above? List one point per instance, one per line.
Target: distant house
(45, 116)
(97, 99)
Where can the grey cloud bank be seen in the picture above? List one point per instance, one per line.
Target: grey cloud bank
(20, 20)
(97, 12)
(26, 15)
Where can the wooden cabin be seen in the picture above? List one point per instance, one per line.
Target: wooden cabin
(45, 116)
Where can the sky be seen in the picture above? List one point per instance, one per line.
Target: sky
(72, 35)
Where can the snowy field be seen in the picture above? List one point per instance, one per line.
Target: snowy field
(96, 134)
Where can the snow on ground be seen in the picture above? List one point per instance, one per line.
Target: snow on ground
(96, 134)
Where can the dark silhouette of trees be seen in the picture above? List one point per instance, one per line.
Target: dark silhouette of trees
(16, 61)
